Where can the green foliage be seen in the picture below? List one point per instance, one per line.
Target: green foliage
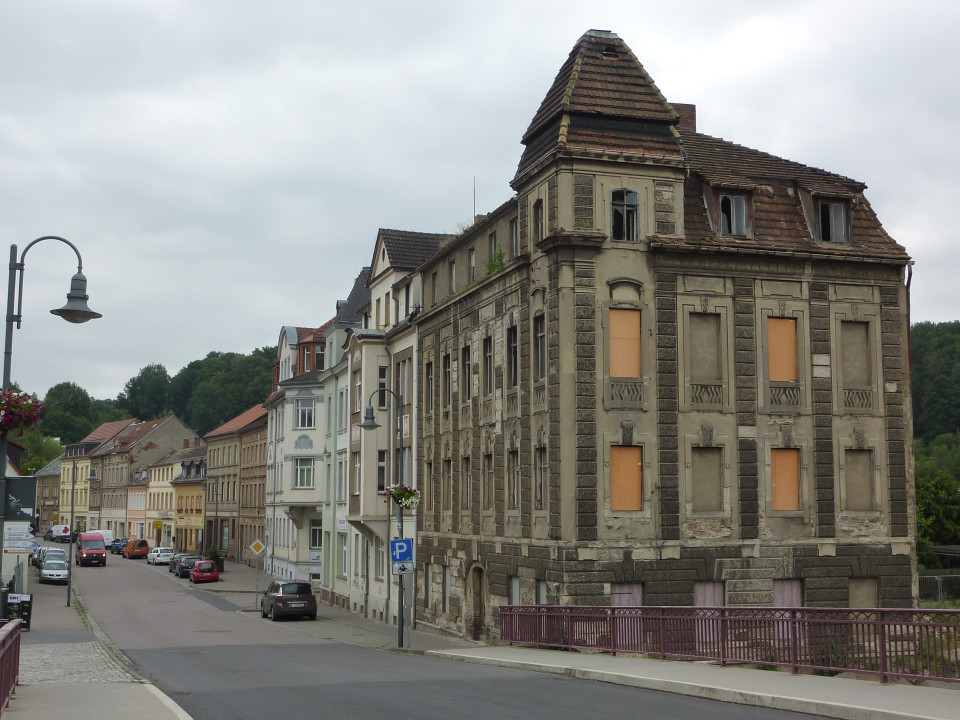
(209, 392)
(69, 428)
(935, 359)
(496, 262)
(938, 494)
(69, 398)
(40, 451)
(145, 396)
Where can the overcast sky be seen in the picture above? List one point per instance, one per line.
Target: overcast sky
(223, 165)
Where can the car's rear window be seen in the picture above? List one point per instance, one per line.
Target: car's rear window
(55, 565)
(296, 589)
(205, 566)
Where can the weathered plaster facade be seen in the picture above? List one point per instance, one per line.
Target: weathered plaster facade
(756, 452)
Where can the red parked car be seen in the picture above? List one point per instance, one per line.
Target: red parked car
(204, 571)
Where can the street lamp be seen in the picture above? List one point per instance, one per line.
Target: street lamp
(75, 311)
(73, 493)
(369, 423)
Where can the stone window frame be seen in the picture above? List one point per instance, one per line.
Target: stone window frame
(630, 231)
(854, 440)
(767, 308)
(614, 399)
(869, 313)
(650, 477)
(728, 479)
(805, 482)
(688, 305)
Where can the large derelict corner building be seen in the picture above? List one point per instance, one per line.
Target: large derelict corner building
(671, 370)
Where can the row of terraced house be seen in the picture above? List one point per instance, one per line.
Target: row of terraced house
(668, 370)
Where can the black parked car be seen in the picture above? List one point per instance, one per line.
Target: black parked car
(183, 567)
(281, 599)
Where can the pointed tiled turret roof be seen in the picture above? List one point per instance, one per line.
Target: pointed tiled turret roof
(602, 100)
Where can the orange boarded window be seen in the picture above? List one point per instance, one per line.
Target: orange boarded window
(782, 349)
(624, 343)
(626, 485)
(784, 479)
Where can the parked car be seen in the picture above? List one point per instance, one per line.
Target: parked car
(281, 599)
(136, 548)
(117, 546)
(204, 571)
(37, 559)
(90, 549)
(187, 562)
(48, 535)
(54, 571)
(160, 556)
(51, 554)
(172, 566)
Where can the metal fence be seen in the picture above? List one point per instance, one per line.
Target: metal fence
(940, 587)
(914, 644)
(9, 660)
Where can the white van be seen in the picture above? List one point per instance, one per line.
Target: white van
(61, 533)
(107, 536)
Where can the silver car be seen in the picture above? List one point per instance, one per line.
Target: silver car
(54, 571)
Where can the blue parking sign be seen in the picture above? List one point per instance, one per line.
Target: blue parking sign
(401, 551)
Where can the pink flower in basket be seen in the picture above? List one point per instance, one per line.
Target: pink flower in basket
(18, 411)
(403, 495)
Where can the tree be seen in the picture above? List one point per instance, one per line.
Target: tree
(146, 395)
(40, 451)
(68, 397)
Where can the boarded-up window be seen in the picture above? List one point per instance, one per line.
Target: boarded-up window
(858, 479)
(784, 479)
(708, 594)
(863, 593)
(787, 593)
(782, 349)
(626, 594)
(624, 343)
(626, 486)
(855, 354)
(704, 347)
(707, 479)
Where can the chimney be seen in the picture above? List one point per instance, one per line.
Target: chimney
(186, 443)
(688, 116)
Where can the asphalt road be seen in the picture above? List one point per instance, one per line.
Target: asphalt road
(219, 663)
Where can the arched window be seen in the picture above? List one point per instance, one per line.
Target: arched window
(624, 204)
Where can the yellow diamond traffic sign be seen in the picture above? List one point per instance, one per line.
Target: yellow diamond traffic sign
(257, 547)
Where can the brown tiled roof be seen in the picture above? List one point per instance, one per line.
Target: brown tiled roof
(108, 430)
(407, 249)
(241, 420)
(778, 221)
(124, 442)
(726, 164)
(602, 100)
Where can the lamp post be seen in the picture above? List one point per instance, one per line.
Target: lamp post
(369, 423)
(75, 311)
(72, 540)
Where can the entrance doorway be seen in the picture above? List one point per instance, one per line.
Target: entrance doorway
(477, 611)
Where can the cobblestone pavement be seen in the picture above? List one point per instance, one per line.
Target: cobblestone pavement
(84, 662)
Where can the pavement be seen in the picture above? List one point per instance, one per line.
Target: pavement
(68, 668)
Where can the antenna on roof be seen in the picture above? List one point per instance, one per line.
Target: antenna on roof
(474, 195)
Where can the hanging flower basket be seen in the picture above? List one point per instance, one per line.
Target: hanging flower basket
(18, 411)
(403, 496)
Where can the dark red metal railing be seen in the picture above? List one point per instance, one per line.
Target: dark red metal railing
(915, 644)
(9, 660)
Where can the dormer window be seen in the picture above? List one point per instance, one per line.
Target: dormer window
(832, 219)
(733, 215)
(624, 204)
